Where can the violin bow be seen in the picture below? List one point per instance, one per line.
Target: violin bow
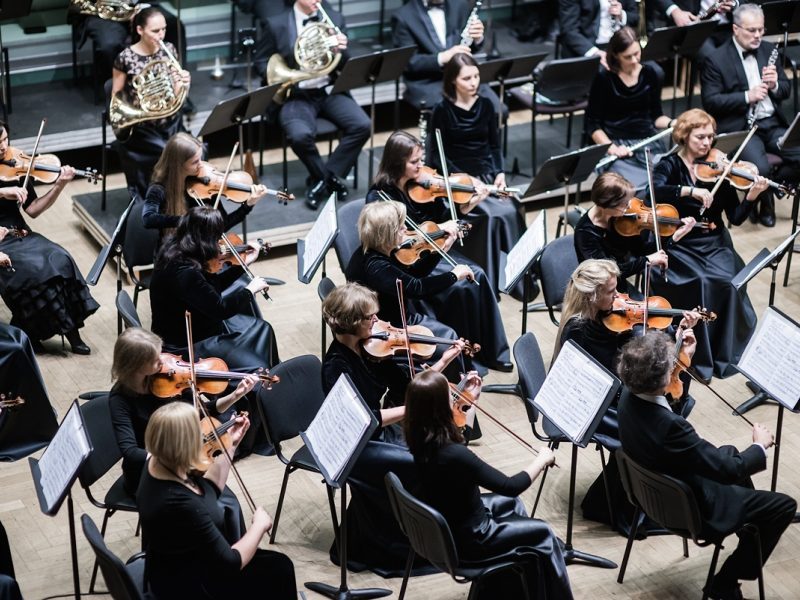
(398, 283)
(656, 232)
(731, 162)
(446, 175)
(225, 176)
(33, 156)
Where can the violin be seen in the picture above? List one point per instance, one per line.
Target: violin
(46, 167)
(245, 251)
(387, 341)
(742, 175)
(430, 185)
(638, 218)
(461, 401)
(212, 431)
(627, 312)
(238, 188)
(212, 376)
(413, 247)
(682, 362)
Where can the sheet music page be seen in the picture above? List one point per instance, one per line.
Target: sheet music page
(321, 232)
(335, 432)
(63, 456)
(528, 246)
(772, 358)
(573, 391)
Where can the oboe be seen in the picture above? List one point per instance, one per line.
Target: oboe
(466, 38)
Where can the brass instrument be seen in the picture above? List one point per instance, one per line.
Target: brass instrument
(155, 90)
(466, 38)
(110, 10)
(314, 52)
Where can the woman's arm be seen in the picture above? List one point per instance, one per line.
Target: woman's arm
(153, 216)
(202, 297)
(36, 207)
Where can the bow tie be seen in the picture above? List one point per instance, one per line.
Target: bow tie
(747, 53)
(312, 19)
(434, 4)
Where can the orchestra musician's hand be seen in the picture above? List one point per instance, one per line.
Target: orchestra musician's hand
(619, 151)
(500, 180)
(545, 458)
(689, 342)
(252, 257)
(688, 224)
(342, 42)
(67, 174)
(463, 272)
(261, 522)
(659, 259)
(257, 285)
(257, 192)
(603, 59)
(762, 435)
(681, 18)
(476, 31)
(3, 233)
(615, 9)
(769, 76)
(473, 384)
(5, 259)
(702, 195)
(690, 319)
(448, 355)
(240, 427)
(445, 55)
(759, 186)
(481, 191)
(757, 93)
(726, 6)
(16, 193)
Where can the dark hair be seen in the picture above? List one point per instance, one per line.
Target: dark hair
(451, 71)
(611, 190)
(428, 422)
(141, 19)
(619, 43)
(4, 126)
(645, 362)
(396, 153)
(196, 239)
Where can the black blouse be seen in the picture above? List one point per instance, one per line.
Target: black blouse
(592, 241)
(10, 211)
(471, 138)
(624, 112)
(419, 212)
(155, 201)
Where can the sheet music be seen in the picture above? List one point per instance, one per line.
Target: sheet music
(772, 358)
(320, 235)
(524, 251)
(63, 456)
(573, 391)
(338, 427)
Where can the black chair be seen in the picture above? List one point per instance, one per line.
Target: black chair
(138, 250)
(554, 267)
(105, 454)
(671, 503)
(430, 537)
(325, 287)
(124, 581)
(574, 215)
(347, 240)
(286, 410)
(127, 310)
(566, 84)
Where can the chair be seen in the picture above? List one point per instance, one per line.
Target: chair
(565, 83)
(127, 310)
(138, 249)
(124, 581)
(105, 454)
(347, 241)
(554, 267)
(574, 215)
(325, 287)
(430, 537)
(672, 504)
(286, 410)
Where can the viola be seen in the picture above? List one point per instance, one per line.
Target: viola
(461, 401)
(46, 167)
(387, 341)
(215, 435)
(638, 217)
(212, 376)
(238, 188)
(742, 175)
(413, 247)
(627, 312)
(245, 251)
(682, 362)
(430, 185)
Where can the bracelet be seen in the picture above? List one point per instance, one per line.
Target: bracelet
(691, 192)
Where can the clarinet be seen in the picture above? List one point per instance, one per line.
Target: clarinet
(751, 113)
(424, 114)
(616, 24)
(712, 10)
(466, 39)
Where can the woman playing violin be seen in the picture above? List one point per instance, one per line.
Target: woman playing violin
(45, 290)
(451, 476)
(183, 525)
(704, 263)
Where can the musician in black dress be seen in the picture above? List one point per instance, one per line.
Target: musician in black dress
(181, 282)
(450, 478)
(703, 264)
(471, 139)
(43, 288)
(188, 555)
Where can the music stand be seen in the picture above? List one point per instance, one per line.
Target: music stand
(791, 139)
(729, 142)
(782, 16)
(765, 258)
(9, 9)
(370, 70)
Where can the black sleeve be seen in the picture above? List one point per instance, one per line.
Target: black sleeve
(153, 215)
(656, 75)
(32, 195)
(597, 100)
(421, 65)
(487, 476)
(632, 11)
(225, 278)
(203, 297)
(589, 244)
(736, 210)
(382, 274)
(718, 99)
(666, 181)
(122, 422)
(332, 368)
(569, 12)
(232, 219)
(495, 147)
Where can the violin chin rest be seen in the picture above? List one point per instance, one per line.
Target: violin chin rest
(274, 281)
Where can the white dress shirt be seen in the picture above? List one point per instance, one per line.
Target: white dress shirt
(764, 108)
(437, 17)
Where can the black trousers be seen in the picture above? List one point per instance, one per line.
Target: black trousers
(298, 120)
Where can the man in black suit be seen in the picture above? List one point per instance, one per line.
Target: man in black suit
(309, 99)
(434, 27)
(661, 440)
(736, 83)
(587, 25)
(685, 12)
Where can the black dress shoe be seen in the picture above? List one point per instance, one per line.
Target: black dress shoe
(767, 212)
(505, 367)
(729, 593)
(317, 194)
(337, 185)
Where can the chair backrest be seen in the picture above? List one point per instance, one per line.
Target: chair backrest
(532, 372)
(139, 245)
(325, 287)
(291, 405)
(568, 79)
(127, 310)
(667, 501)
(6, 562)
(347, 240)
(121, 585)
(426, 529)
(105, 450)
(555, 266)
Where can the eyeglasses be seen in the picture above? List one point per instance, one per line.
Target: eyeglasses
(752, 30)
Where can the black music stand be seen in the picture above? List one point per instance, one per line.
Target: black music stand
(763, 259)
(9, 9)
(730, 142)
(370, 70)
(791, 139)
(782, 17)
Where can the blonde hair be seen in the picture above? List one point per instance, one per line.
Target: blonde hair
(134, 349)
(348, 305)
(169, 170)
(581, 293)
(173, 436)
(378, 224)
(688, 122)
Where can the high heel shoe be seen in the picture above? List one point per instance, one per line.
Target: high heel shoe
(76, 344)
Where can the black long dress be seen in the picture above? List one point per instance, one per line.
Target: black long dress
(486, 525)
(45, 290)
(472, 145)
(701, 267)
(188, 555)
